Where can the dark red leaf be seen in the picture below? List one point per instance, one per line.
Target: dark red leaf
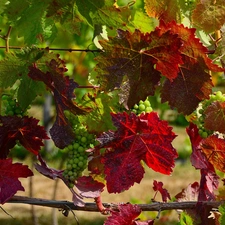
(23, 129)
(9, 183)
(45, 170)
(215, 117)
(209, 180)
(192, 85)
(88, 187)
(208, 185)
(122, 169)
(62, 88)
(137, 138)
(126, 215)
(148, 222)
(158, 186)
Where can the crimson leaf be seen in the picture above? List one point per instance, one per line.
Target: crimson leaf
(137, 138)
(126, 215)
(158, 186)
(62, 88)
(24, 129)
(9, 183)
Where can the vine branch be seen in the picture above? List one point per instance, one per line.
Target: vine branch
(92, 207)
(59, 49)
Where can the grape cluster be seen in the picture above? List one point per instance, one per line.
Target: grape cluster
(142, 107)
(217, 96)
(11, 106)
(77, 155)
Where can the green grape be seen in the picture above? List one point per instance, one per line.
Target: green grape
(142, 107)
(77, 155)
(11, 107)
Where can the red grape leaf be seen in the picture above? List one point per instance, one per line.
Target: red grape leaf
(135, 59)
(9, 183)
(192, 49)
(209, 15)
(209, 180)
(88, 187)
(214, 149)
(215, 117)
(137, 138)
(208, 185)
(158, 186)
(190, 193)
(126, 215)
(62, 88)
(23, 129)
(166, 10)
(191, 86)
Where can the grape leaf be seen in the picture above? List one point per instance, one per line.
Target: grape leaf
(11, 68)
(158, 186)
(88, 187)
(101, 104)
(24, 129)
(192, 49)
(191, 86)
(136, 60)
(137, 138)
(190, 193)
(163, 10)
(209, 15)
(214, 149)
(62, 88)
(9, 183)
(102, 12)
(185, 219)
(126, 215)
(215, 117)
(209, 180)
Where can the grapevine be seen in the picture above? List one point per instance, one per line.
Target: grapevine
(126, 52)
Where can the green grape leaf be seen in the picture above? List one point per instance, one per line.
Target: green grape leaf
(11, 69)
(185, 219)
(222, 211)
(99, 119)
(192, 85)
(167, 10)
(215, 117)
(102, 12)
(135, 61)
(209, 15)
(141, 21)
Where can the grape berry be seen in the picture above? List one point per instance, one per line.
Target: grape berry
(11, 106)
(77, 155)
(142, 107)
